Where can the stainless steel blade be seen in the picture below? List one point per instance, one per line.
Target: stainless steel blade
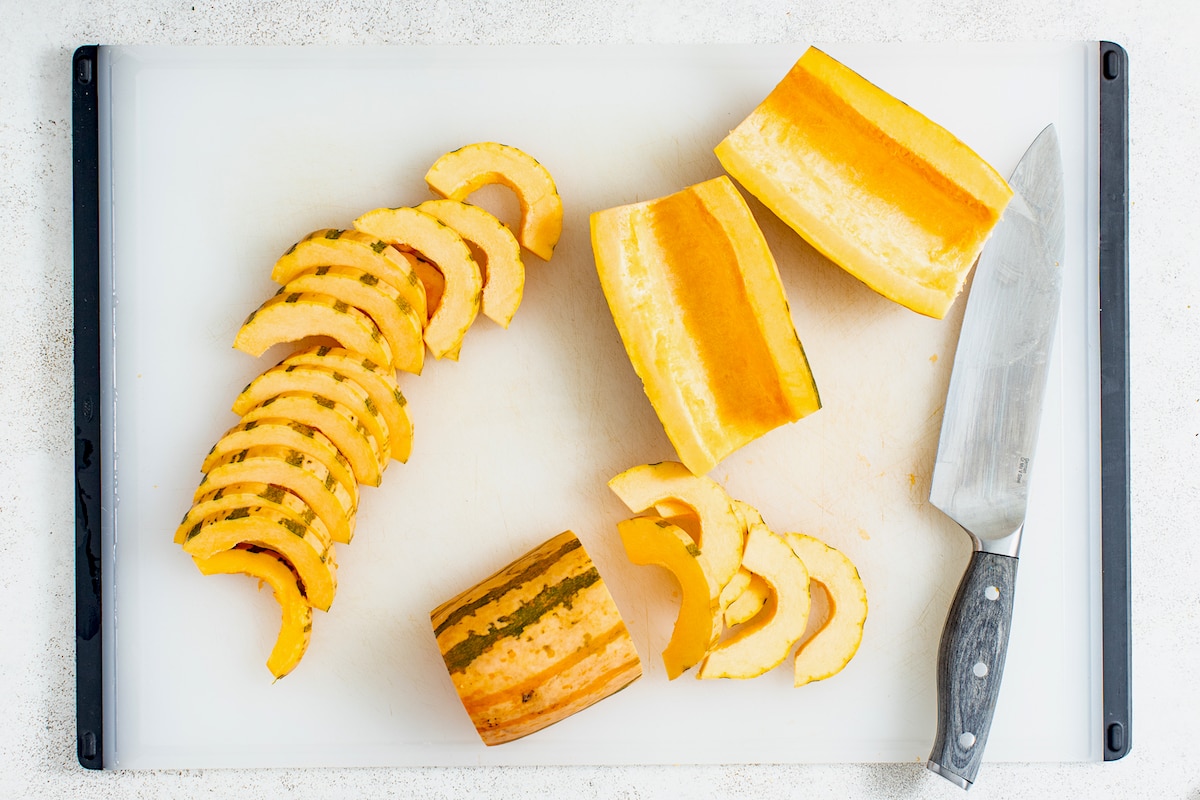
(993, 406)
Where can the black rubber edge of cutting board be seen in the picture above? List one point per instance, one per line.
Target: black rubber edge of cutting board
(89, 658)
(1114, 398)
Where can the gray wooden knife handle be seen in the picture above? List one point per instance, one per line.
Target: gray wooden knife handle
(970, 664)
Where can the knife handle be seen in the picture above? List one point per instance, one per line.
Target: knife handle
(970, 664)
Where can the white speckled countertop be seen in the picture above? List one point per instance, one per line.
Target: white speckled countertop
(37, 717)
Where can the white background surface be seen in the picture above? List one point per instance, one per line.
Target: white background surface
(36, 505)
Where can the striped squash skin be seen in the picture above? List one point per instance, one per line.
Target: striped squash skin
(296, 471)
(536, 642)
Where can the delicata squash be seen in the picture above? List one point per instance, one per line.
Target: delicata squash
(696, 296)
(536, 642)
(878, 188)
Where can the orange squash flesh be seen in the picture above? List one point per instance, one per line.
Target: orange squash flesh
(696, 296)
(890, 196)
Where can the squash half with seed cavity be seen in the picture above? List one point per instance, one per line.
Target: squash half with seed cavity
(697, 300)
(870, 182)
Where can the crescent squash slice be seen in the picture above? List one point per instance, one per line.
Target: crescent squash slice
(890, 196)
(654, 541)
(764, 642)
(829, 649)
(285, 433)
(240, 495)
(670, 488)
(335, 420)
(324, 382)
(271, 529)
(270, 568)
(435, 242)
(351, 248)
(460, 172)
(539, 640)
(294, 470)
(500, 263)
(292, 316)
(387, 307)
(379, 383)
(697, 300)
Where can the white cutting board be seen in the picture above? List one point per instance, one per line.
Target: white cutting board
(219, 159)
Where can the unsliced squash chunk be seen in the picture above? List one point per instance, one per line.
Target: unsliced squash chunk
(654, 541)
(878, 188)
(697, 299)
(380, 385)
(501, 266)
(436, 242)
(536, 642)
(338, 422)
(270, 568)
(292, 316)
(270, 529)
(351, 248)
(460, 172)
(294, 470)
(387, 307)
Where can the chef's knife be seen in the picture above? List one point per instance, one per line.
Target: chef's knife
(986, 449)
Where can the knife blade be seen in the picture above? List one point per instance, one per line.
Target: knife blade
(986, 448)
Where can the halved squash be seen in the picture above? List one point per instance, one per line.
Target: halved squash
(270, 568)
(270, 529)
(888, 195)
(380, 385)
(324, 382)
(671, 485)
(436, 242)
(294, 470)
(335, 420)
(460, 172)
(654, 541)
(285, 433)
(827, 651)
(292, 316)
(501, 266)
(764, 642)
(697, 299)
(391, 312)
(536, 642)
(351, 248)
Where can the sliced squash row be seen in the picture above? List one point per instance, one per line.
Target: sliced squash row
(747, 592)
(282, 486)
